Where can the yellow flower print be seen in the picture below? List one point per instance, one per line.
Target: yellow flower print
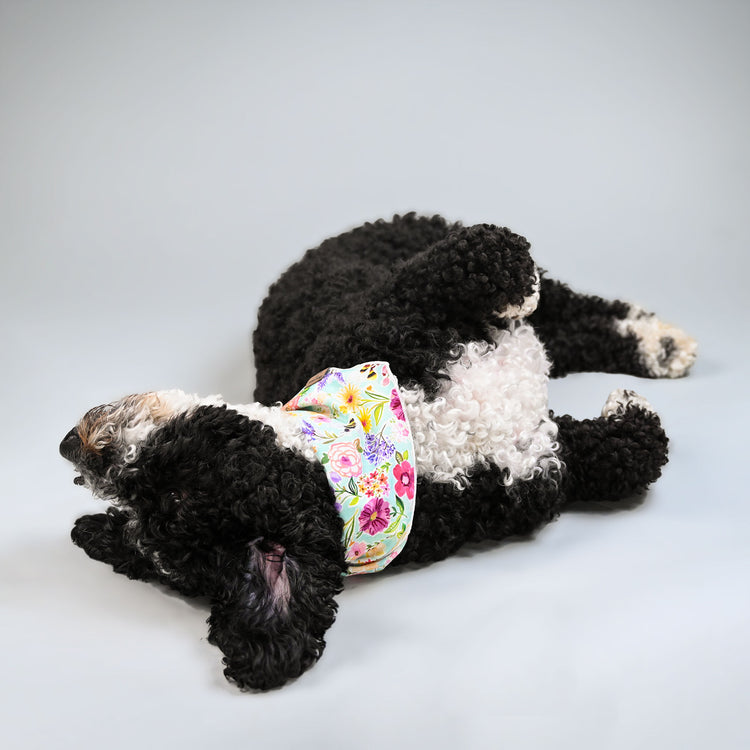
(376, 551)
(351, 398)
(365, 418)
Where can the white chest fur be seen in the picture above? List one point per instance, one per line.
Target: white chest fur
(493, 408)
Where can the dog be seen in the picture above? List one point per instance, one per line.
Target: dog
(460, 331)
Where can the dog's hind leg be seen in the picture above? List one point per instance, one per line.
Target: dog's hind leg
(615, 456)
(585, 333)
(472, 273)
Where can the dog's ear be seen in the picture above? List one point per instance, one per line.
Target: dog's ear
(271, 622)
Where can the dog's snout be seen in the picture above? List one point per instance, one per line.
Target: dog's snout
(70, 447)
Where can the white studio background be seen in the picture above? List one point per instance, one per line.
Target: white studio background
(162, 162)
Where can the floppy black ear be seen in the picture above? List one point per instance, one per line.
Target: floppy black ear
(271, 622)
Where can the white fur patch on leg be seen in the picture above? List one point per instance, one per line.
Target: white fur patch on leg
(527, 307)
(667, 351)
(621, 399)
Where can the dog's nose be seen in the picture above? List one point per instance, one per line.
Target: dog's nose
(70, 447)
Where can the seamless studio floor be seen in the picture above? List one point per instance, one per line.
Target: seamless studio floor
(162, 164)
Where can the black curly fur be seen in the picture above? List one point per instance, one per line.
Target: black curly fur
(411, 289)
(212, 506)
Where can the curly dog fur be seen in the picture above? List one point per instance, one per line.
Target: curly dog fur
(226, 501)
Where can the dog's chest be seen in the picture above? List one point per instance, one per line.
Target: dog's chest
(493, 408)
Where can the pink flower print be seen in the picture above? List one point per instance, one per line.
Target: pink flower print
(405, 484)
(292, 405)
(374, 516)
(345, 459)
(374, 484)
(396, 406)
(356, 550)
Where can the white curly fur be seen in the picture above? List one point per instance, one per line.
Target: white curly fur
(492, 408)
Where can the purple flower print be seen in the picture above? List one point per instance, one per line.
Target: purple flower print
(377, 449)
(330, 373)
(374, 516)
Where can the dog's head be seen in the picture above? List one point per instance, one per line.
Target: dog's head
(107, 441)
(223, 501)
(195, 472)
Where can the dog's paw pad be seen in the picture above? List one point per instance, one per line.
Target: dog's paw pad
(665, 351)
(621, 400)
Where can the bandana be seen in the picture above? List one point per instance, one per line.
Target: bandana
(357, 427)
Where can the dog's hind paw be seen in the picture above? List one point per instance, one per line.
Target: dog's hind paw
(665, 350)
(528, 306)
(621, 400)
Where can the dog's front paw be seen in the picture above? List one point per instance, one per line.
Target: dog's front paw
(528, 305)
(665, 350)
(95, 535)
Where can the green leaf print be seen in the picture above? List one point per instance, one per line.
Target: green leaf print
(348, 531)
(377, 397)
(392, 527)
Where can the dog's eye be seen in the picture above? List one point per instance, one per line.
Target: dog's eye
(174, 496)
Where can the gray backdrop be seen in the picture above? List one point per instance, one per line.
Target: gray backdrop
(162, 162)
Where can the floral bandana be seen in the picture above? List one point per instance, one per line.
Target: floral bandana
(356, 424)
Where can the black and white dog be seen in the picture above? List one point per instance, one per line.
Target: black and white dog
(229, 502)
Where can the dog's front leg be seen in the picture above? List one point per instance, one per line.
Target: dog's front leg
(102, 537)
(271, 619)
